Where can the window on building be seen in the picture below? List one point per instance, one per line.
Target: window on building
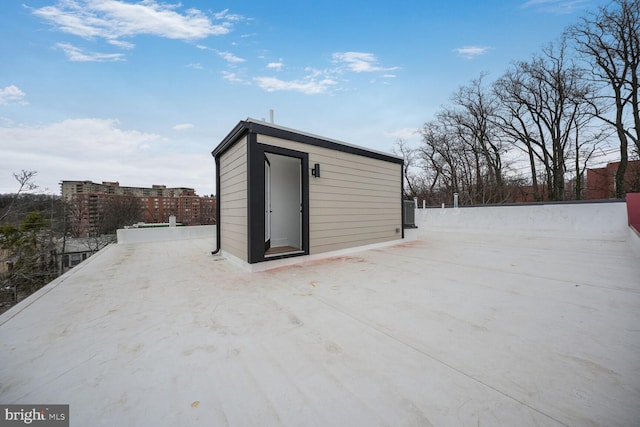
(74, 259)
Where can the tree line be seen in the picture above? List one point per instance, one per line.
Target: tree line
(539, 124)
(34, 229)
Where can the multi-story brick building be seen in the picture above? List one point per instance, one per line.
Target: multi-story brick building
(156, 204)
(601, 182)
(188, 209)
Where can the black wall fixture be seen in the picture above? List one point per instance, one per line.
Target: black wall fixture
(316, 170)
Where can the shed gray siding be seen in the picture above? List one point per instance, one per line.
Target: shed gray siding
(355, 202)
(233, 197)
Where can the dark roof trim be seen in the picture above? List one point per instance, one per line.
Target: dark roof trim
(230, 139)
(275, 131)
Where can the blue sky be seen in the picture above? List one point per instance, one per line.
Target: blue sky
(140, 92)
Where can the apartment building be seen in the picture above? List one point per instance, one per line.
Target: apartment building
(90, 201)
(71, 188)
(188, 209)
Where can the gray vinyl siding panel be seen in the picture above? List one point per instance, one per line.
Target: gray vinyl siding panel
(356, 201)
(233, 196)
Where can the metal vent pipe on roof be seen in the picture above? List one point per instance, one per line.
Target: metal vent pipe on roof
(271, 115)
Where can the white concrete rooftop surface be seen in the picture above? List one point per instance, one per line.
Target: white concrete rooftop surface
(453, 328)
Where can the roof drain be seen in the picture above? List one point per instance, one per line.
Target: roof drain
(218, 246)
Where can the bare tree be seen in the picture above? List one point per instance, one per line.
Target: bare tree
(514, 121)
(31, 225)
(77, 214)
(27, 251)
(472, 120)
(609, 41)
(97, 215)
(117, 212)
(442, 154)
(542, 101)
(409, 154)
(587, 139)
(26, 182)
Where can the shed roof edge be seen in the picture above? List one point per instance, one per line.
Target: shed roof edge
(270, 129)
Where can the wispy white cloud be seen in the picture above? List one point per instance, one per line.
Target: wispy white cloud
(557, 6)
(309, 85)
(470, 52)
(183, 126)
(275, 65)
(196, 66)
(226, 16)
(12, 95)
(359, 62)
(114, 20)
(232, 77)
(403, 133)
(75, 54)
(230, 57)
(324, 80)
(121, 44)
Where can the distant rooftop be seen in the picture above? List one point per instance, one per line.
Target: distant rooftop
(520, 316)
(69, 188)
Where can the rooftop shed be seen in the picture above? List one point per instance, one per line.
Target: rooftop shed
(285, 193)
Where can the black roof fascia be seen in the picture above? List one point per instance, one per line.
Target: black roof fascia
(276, 132)
(238, 131)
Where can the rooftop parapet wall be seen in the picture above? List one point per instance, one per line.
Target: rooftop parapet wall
(577, 220)
(163, 234)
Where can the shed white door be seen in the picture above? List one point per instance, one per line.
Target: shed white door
(283, 204)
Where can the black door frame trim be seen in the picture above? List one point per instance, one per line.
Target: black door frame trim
(267, 244)
(256, 199)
